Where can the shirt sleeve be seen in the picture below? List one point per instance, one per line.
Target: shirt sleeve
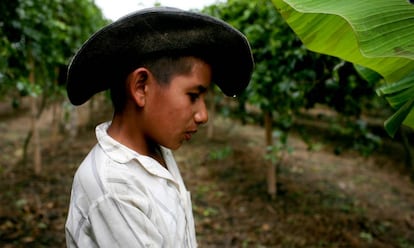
(115, 223)
(117, 219)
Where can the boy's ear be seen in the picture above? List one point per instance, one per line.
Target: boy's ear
(137, 85)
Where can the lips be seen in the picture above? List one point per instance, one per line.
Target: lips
(189, 134)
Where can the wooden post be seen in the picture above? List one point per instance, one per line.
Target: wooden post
(408, 152)
(37, 156)
(56, 117)
(271, 167)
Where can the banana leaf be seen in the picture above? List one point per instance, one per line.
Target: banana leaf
(378, 35)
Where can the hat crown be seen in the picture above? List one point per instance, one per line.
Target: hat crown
(116, 49)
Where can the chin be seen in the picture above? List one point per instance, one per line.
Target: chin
(173, 146)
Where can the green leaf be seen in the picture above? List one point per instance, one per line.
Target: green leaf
(396, 87)
(394, 122)
(374, 34)
(400, 96)
(398, 93)
(39, 37)
(368, 74)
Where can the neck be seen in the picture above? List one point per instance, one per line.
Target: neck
(126, 131)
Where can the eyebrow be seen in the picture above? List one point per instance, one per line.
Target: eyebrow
(201, 89)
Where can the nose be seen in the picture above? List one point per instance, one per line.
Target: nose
(201, 114)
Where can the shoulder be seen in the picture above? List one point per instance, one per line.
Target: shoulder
(89, 179)
(101, 174)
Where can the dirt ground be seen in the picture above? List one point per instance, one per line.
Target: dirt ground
(323, 200)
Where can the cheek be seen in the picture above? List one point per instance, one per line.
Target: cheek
(172, 109)
(179, 114)
(179, 108)
(168, 116)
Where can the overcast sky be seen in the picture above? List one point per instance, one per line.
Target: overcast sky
(113, 9)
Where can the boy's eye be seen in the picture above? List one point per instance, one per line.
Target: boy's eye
(193, 96)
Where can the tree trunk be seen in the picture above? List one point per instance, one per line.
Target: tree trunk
(241, 109)
(56, 118)
(271, 167)
(408, 153)
(37, 156)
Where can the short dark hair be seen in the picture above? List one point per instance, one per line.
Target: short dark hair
(163, 69)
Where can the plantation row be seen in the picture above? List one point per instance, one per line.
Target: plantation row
(38, 38)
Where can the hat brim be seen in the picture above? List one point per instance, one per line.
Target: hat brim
(115, 50)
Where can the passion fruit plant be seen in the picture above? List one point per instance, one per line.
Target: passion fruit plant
(377, 35)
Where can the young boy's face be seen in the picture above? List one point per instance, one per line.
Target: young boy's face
(174, 111)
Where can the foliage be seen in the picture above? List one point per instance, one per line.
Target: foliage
(274, 153)
(39, 36)
(287, 76)
(221, 153)
(355, 135)
(374, 34)
(279, 79)
(344, 89)
(327, 201)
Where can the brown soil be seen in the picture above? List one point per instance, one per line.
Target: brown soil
(323, 200)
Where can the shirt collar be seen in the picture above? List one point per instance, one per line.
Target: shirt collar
(122, 154)
(115, 150)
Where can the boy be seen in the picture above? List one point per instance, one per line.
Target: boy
(157, 64)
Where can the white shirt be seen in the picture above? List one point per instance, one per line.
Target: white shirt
(123, 199)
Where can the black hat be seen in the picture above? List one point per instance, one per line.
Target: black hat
(114, 51)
